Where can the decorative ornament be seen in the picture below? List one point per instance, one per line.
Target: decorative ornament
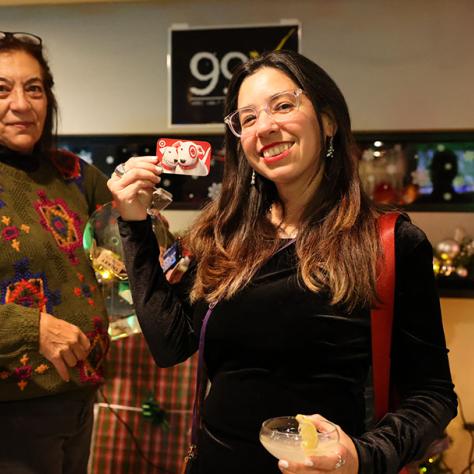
(103, 247)
(447, 269)
(448, 249)
(252, 179)
(434, 463)
(384, 193)
(454, 258)
(410, 193)
(462, 272)
(153, 412)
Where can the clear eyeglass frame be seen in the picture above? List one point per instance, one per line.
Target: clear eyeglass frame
(233, 122)
(21, 36)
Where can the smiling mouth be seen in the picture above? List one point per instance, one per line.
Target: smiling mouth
(275, 150)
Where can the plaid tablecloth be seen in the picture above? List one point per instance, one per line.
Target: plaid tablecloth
(132, 377)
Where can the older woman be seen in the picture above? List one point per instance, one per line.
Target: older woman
(53, 325)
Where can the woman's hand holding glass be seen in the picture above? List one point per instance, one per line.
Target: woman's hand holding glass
(333, 452)
(132, 185)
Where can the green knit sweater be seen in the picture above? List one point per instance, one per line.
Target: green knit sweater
(44, 205)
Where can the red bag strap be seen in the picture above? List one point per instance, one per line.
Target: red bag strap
(382, 315)
(382, 318)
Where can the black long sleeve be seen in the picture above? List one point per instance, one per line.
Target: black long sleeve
(162, 309)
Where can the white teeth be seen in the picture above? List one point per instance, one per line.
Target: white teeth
(276, 150)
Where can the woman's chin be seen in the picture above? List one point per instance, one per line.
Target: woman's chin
(20, 146)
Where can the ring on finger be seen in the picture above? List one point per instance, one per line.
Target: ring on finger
(120, 170)
(340, 462)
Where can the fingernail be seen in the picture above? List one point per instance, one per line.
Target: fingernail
(159, 168)
(308, 463)
(282, 463)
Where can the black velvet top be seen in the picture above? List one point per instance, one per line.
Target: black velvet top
(278, 349)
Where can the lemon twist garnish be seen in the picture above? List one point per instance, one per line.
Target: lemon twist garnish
(308, 433)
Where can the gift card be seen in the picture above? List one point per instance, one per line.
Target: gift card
(187, 157)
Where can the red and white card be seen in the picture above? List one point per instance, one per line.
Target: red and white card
(186, 157)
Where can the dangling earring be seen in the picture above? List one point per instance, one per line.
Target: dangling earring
(252, 179)
(330, 150)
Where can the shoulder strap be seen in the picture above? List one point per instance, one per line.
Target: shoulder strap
(382, 315)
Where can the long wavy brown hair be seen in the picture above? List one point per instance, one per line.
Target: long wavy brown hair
(48, 139)
(337, 244)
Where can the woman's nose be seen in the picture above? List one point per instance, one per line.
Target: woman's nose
(265, 123)
(19, 100)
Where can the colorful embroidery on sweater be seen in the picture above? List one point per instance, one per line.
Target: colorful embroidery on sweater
(67, 163)
(70, 167)
(23, 372)
(91, 370)
(64, 224)
(28, 289)
(10, 233)
(85, 289)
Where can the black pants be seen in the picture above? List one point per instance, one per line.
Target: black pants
(48, 435)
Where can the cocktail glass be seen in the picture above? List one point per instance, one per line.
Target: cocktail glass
(280, 438)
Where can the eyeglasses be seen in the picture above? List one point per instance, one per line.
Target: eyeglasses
(279, 107)
(28, 38)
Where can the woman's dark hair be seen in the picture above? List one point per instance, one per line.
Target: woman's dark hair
(337, 243)
(48, 139)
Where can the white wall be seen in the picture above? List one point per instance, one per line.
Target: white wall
(403, 65)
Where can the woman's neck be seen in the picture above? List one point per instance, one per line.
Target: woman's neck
(22, 161)
(286, 219)
(286, 215)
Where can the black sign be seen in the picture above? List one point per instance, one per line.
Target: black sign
(202, 61)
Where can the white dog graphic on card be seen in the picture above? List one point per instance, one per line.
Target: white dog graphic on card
(184, 157)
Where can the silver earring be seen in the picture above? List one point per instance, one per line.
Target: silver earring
(252, 179)
(330, 150)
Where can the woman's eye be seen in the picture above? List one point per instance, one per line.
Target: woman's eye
(4, 89)
(283, 107)
(35, 90)
(247, 120)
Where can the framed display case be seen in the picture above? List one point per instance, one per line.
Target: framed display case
(427, 172)
(415, 171)
(419, 171)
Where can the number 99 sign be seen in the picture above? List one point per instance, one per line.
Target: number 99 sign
(210, 79)
(202, 61)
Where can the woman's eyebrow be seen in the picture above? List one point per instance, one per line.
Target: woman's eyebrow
(34, 79)
(28, 81)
